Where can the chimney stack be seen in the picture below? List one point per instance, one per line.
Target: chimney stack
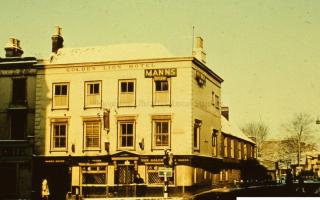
(198, 51)
(57, 40)
(13, 48)
(225, 112)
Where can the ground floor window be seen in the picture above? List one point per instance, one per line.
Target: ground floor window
(153, 178)
(93, 180)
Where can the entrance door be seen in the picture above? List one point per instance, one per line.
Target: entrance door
(124, 177)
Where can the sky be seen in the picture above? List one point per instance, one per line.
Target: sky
(267, 51)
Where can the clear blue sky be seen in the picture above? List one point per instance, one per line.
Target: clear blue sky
(267, 51)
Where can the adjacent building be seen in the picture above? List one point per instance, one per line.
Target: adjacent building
(17, 111)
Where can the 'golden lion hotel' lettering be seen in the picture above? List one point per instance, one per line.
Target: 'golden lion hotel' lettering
(149, 73)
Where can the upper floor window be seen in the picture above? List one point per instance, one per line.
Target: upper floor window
(126, 93)
(225, 147)
(217, 101)
(239, 150)
(92, 132)
(60, 95)
(18, 120)
(161, 92)
(245, 153)
(214, 141)
(213, 98)
(59, 136)
(19, 90)
(93, 94)
(126, 134)
(161, 133)
(232, 148)
(196, 134)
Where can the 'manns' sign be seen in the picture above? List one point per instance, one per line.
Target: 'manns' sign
(150, 73)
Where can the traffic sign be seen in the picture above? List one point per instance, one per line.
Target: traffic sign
(165, 172)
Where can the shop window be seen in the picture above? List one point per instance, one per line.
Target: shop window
(161, 133)
(161, 92)
(60, 95)
(126, 93)
(93, 94)
(19, 91)
(92, 135)
(153, 178)
(59, 136)
(126, 134)
(196, 134)
(93, 180)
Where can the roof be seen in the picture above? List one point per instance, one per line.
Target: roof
(115, 52)
(230, 128)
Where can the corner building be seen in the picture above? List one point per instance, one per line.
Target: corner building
(105, 114)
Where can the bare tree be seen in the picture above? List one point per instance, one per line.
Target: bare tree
(299, 130)
(257, 130)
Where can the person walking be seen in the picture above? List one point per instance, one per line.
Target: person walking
(45, 190)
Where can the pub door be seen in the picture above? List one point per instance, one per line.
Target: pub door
(124, 178)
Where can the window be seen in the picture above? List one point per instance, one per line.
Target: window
(232, 148)
(213, 98)
(18, 125)
(126, 134)
(19, 91)
(214, 141)
(93, 179)
(59, 136)
(126, 93)
(239, 151)
(60, 95)
(217, 101)
(161, 133)
(225, 147)
(161, 92)
(196, 135)
(92, 135)
(93, 94)
(153, 176)
(245, 151)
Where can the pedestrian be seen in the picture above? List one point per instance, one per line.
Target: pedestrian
(45, 190)
(140, 185)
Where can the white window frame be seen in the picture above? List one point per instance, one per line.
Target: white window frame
(161, 94)
(123, 95)
(232, 146)
(93, 136)
(92, 95)
(225, 147)
(196, 134)
(155, 135)
(120, 134)
(53, 139)
(55, 96)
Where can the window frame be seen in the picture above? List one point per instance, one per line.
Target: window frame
(154, 145)
(86, 105)
(225, 147)
(119, 135)
(14, 92)
(120, 93)
(54, 95)
(155, 92)
(217, 101)
(53, 148)
(232, 148)
(197, 129)
(85, 147)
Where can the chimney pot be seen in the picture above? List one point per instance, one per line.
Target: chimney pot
(13, 48)
(198, 51)
(57, 40)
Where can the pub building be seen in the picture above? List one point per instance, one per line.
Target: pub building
(17, 98)
(107, 114)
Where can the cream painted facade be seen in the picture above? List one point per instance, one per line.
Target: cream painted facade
(187, 121)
